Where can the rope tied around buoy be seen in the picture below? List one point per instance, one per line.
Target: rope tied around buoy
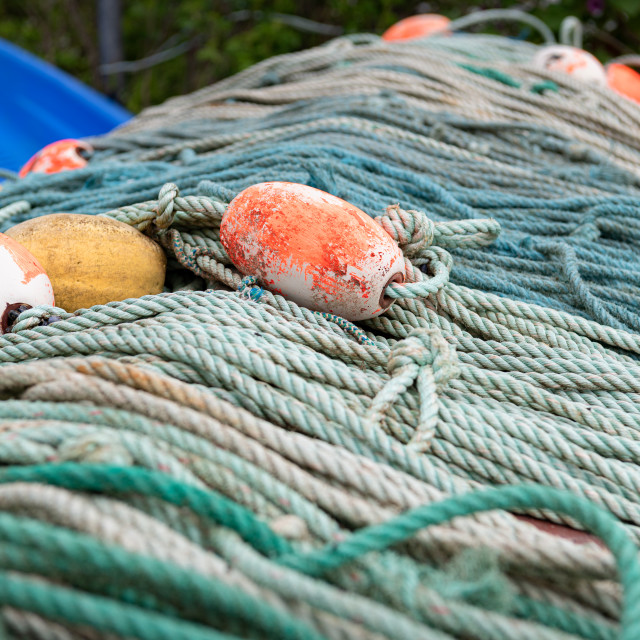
(425, 242)
(424, 359)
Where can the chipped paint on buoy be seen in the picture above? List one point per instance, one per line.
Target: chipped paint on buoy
(420, 26)
(23, 283)
(575, 62)
(63, 155)
(313, 248)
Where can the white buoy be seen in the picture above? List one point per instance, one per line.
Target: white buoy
(23, 282)
(575, 62)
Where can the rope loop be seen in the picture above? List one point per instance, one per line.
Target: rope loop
(439, 263)
(424, 242)
(424, 359)
(415, 232)
(165, 212)
(412, 230)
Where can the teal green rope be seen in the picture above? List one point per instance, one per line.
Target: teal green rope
(596, 520)
(54, 552)
(493, 74)
(101, 478)
(564, 620)
(57, 603)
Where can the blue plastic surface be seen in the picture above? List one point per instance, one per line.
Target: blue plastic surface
(41, 104)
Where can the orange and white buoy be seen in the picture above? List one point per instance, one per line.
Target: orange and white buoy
(23, 282)
(63, 155)
(313, 248)
(575, 62)
(624, 80)
(420, 26)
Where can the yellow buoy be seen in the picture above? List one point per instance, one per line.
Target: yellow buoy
(92, 259)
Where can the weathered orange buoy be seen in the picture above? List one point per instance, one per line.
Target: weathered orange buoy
(572, 61)
(62, 155)
(624, 80)
(23, 282)
(313, 248)
(419, 26)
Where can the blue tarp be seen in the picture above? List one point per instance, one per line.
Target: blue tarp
(40, 104)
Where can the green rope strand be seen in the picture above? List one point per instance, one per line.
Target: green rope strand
(135, 480)
(73, 607)
(596, 520)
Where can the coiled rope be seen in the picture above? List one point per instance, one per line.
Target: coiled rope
(217, 462)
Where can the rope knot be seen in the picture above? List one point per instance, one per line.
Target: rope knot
(425, 348)
(412, 350)
(412, 230)
(425, 244)
(165, 211)
(415, 232)
(424, 359)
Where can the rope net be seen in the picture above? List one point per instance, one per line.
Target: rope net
(218, 462)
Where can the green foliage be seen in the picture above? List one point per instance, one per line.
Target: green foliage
(226, 37)
(630, 7)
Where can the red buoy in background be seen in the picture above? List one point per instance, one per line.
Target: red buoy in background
(63, 155)
(624, 80)
(313, 248)
(420, 26)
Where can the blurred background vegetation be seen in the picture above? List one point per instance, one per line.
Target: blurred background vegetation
(178, 46)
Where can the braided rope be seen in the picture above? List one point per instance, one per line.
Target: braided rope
(216, 461)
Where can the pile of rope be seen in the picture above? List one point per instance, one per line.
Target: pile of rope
(218, 462)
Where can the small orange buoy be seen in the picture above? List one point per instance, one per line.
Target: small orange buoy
(313, 248)
(62, 155)
(23, 282)
(572, 61)
(420, 26)
(624, 80)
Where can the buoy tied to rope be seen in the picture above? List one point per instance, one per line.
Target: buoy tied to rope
(23, 282)
(313, 248)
